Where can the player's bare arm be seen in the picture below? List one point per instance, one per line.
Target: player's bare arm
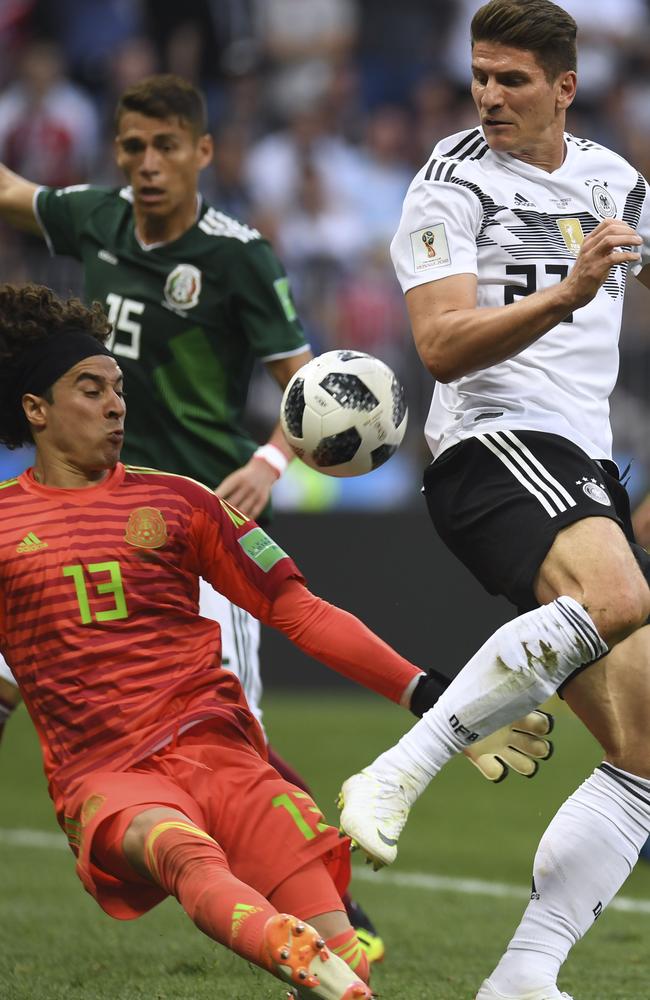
(17, 201)
(454, 337)
(282, 369)
(249, 488)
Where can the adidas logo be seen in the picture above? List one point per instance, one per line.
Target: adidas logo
(523, 202)
(31, 543)
(240, 913)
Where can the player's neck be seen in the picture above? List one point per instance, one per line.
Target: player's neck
(58, 472)
(546, 163)
(153, 229)
(548, 153)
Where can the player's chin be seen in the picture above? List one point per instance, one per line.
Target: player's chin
(503, 134)
(109, 454)
(500, 142)
(153, 206)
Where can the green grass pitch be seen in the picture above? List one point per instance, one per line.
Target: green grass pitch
(56, 944)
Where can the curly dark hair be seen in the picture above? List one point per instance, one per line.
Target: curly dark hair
(29, 313)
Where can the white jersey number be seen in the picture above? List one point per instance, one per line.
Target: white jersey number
(120, 311)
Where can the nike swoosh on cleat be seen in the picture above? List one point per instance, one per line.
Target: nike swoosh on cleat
(386, 840)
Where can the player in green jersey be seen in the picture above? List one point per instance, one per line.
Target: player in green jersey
(194, 295)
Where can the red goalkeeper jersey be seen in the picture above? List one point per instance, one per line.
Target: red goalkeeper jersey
(99, 612)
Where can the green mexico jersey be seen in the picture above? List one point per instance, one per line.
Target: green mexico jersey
(189, 317)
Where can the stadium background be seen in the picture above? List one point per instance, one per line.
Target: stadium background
(322, 111)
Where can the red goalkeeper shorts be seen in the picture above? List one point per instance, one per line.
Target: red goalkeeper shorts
(267, 827)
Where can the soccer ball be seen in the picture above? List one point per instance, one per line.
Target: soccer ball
(344, 413)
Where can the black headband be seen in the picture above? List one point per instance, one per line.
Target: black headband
(47, 360)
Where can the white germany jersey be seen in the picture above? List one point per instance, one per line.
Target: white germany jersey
(519, 228)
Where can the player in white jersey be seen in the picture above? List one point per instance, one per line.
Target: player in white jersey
(519, 229)
(513, 251)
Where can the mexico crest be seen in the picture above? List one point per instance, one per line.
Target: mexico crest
(91, 806)
(183, 286)
(146, 528)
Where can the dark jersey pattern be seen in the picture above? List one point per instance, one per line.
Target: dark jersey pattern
(190, 318)
(99, 612)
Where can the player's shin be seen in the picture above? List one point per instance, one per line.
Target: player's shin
(517, 669)
(191, 866)
(585, 855)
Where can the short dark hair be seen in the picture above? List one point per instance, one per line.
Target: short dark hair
(539, 26)
(29, 314)
(164, 96)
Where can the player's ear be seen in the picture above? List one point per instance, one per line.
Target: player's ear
(117, 151)
(205, 149)
(35, 409)
(566, 91)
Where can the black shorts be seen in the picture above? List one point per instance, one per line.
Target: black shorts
(498, 500)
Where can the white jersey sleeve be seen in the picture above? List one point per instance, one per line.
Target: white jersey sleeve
(643, 229)
(438, 230)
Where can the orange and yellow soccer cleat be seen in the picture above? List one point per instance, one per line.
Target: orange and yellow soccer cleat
(301, 958)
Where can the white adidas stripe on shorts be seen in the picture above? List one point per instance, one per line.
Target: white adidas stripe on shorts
(529, 471)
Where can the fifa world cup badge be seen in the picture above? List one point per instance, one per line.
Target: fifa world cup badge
(430, 247)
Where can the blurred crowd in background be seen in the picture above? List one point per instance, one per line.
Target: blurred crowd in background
(322, 111)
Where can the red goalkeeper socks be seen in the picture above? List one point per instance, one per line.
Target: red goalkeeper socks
(346, 945)
(191, 866)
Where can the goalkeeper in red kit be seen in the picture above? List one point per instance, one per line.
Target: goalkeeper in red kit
(156, 766)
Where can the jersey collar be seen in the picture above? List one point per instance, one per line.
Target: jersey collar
(532, 172)
(82, 497)
(147, 247)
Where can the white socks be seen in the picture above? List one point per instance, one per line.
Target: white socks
(585, 855)
(517, 669)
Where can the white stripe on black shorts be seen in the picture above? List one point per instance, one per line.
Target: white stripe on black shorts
(498, 500)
